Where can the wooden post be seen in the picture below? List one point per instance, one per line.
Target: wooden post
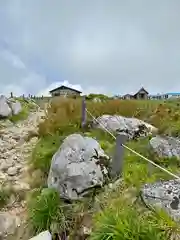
(83, 123)
(150, 169)
(117, 161)
(11, 95)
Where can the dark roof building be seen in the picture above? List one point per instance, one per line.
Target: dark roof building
(141, 94)
(64, 91)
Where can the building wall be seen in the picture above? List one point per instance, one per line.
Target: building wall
(173, 96)
(127, 97)
(138, 95)
(63, 92)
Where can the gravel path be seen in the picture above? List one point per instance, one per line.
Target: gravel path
(15, 151)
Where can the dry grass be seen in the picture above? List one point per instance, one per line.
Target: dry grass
(65, 112)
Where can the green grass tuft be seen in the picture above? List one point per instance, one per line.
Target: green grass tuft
(4, 196)
(122, 221)
(43, 152)
(46, 211)
(21, 116)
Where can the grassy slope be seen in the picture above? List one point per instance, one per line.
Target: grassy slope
(118, 218)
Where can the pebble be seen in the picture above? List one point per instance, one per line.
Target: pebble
(12, 171)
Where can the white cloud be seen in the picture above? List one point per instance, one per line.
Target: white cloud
(101, 46)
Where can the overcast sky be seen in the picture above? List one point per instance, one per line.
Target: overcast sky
(106, 46)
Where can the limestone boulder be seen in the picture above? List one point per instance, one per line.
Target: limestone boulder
(166, 146)
(133, 127)
(163, 195)
(78, 166)
(5, 110)
(15, 106)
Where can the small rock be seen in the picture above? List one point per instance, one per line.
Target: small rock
(5, 165)
(16, 137)
(43, 236)
(5, 124)
(21, 186)
(3, 176)
(8, 224)
(116, 184)
(12, 171)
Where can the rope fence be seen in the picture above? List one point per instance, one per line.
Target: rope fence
(120, 143)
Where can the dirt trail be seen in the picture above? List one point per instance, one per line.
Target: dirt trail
(15, 151)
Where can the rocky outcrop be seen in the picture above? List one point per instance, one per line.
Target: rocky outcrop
(5, 109)
(165, 195)
(15, 106)
(77, 167)
(14, 154)
(166, 146)
(9, 107)
(43, 236)
(133, 127)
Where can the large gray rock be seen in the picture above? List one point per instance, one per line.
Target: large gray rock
(164, 195)
(133, 127)
(15, 106)
(43, 236)
(5, 110)
(77, 166)
(166, 147)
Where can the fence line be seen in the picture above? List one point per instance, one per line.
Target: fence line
(133, 151)
(29, 96)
